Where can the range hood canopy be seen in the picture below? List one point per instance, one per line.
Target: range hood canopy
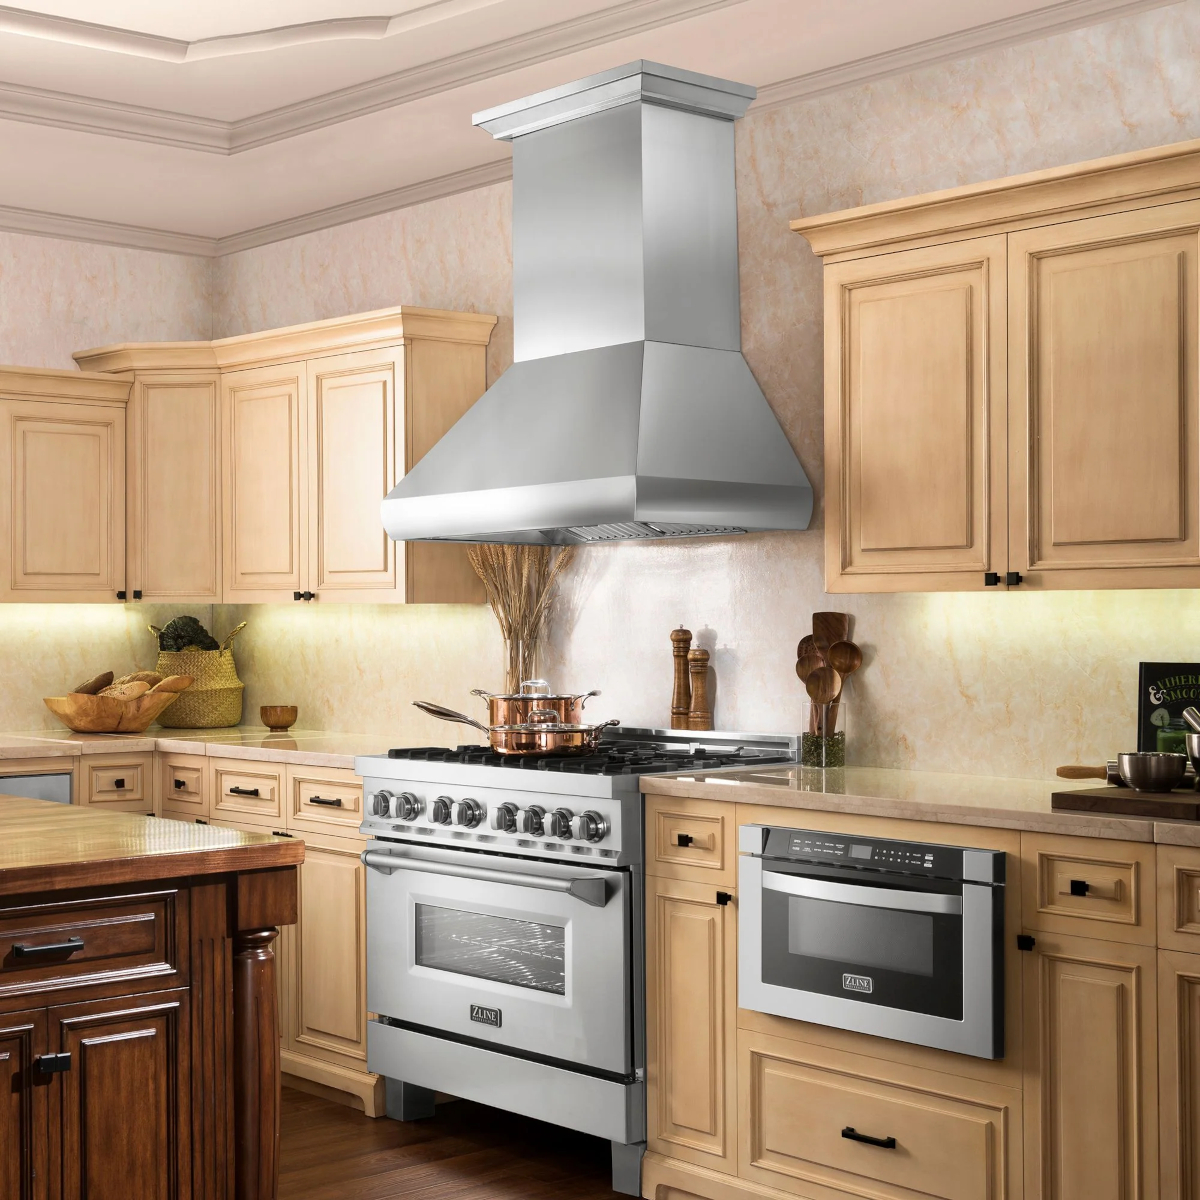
(629, 411)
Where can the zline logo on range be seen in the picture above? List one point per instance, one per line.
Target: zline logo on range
(489, 1016)
(858, 983)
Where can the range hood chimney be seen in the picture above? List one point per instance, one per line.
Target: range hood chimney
(629, 411)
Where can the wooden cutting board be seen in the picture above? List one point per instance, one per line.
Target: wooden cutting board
(1181, 805)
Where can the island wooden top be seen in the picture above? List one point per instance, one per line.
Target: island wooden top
(49, 847)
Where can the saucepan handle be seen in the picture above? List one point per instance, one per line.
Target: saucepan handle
(448, 714)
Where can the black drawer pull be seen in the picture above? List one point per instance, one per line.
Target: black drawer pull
(53, 1064)
(1079, 887)
(119, 783)
(281, 833)
(180, 784)
(724, 897)
(684, 839)
(334, 803)
(888, 1143)
(201, 821)
(237, 791)
(71, 946)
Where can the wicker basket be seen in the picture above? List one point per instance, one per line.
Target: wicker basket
(214, 701)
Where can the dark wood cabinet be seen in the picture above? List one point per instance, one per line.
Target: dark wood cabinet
(119, 1112)
(23, 1123)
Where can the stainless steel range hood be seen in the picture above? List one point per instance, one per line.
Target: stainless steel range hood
(629, 411)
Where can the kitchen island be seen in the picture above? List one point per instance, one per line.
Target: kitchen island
(139, 1048)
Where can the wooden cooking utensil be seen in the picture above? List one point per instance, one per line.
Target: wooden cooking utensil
(1108, 773)
(830, 627)
(807, 645)
(845, 658)
(807, 665)
(823, 686)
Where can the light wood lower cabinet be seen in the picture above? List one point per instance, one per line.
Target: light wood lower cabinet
(1179, 1074)
(691, 952)
(119, 782)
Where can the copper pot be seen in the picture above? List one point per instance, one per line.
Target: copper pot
(543, 735)
(533, 694)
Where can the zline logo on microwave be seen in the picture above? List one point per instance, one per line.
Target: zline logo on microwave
(487, 1016)
(858, 983)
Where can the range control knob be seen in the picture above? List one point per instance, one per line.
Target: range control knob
(440, 813)
(557, 824)
(408, 807)
(504, 818)
(590, 826)
(529, 820)
(381, 804)
(468, 812)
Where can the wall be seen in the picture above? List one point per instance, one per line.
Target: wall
(58, 296)
(1004, 684)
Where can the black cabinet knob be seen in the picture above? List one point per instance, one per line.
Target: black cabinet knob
(684, 839)
(1079, 887)
(137, 593)
(121, 595)
(991, 579)
(297, 595)
(119, 783)
(310, 595)
(1012, 578)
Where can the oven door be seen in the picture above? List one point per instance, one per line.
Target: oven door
(912, 960)
(523, 955)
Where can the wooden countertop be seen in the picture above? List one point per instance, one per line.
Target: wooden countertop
(46, 846)
(920, 796)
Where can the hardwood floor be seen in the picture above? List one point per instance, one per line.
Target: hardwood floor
(466, 1152)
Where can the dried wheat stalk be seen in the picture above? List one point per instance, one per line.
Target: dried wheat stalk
(519, 581)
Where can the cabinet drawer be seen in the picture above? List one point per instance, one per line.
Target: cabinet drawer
(247, 792)
(120, 783)
(691, 839)
(329, 800)
(182, 785)
(1100, 889)
(1179, 898)
(77, 942)
(806, 1116)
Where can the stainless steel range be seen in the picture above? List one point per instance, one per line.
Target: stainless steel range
(504, 926)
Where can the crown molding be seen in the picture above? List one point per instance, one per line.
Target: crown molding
(65, 110)
(996, 35)
(136, 237)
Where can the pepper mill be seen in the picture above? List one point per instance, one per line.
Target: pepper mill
(700, 715)
(681, 695)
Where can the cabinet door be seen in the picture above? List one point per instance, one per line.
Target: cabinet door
(265, 525)
(353, 461)
(175, 488)
(1103, 407)
(120, 1114)
(23, 1122)
(62, 500)
(1091, 1090)
(328, 1009)
(915, 419)
(691, 1004)
(1179, 1073)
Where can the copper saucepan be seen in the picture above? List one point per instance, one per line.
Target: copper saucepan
(543, 735)
(533, 694)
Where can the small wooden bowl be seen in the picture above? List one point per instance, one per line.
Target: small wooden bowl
(278, 718)
(109, 714)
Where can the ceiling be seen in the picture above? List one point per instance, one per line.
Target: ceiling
(209, 128)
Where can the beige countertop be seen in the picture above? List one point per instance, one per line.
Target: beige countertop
(302, 747)
(920, 796)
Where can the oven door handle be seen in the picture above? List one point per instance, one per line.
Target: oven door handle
(869, 897)
(590, 891)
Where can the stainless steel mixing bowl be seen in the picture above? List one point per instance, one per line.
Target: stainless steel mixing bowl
(1193, 749)
(1153, 772)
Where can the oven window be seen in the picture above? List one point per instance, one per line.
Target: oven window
(874, 937)
(521, 953)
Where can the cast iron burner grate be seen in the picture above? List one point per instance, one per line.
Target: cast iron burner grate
(634, 758)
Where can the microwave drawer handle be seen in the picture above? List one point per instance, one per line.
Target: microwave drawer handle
(590, 891)
(869, 897)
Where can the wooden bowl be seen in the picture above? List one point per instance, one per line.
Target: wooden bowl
(109, 714)
(278, 718)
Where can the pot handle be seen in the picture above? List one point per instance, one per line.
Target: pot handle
(534, 687)
(540, 716)
(448, 714)
(586, 697)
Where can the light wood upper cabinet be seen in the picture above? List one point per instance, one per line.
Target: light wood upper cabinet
(1103, 405)
(915, 419)
(258, 462)
(62, 487)
(1087, 391)
(265, 514)
(174, 488)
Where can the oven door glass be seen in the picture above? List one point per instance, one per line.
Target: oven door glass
(479, 954)
(524, 954)
(887, 944)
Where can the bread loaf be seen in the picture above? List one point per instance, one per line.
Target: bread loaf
(173, 683)
(126, 691)
(92, 686)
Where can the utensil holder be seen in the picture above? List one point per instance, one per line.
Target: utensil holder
(823, 743)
